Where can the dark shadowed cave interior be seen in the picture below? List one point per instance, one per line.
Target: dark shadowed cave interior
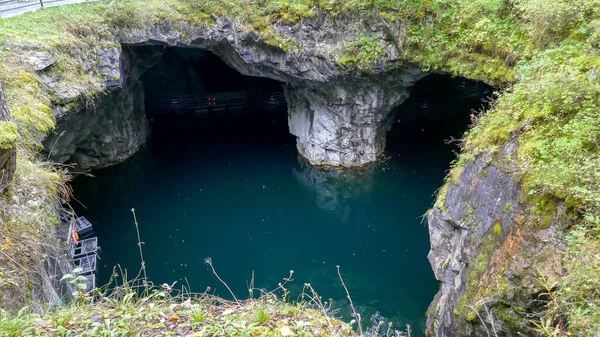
(226, 181)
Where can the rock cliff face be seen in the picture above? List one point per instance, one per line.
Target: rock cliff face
(488, 254)
(345, 123)
(484, 245)
(95, 132)
(8, 152)
(103, 133)
(339, 115)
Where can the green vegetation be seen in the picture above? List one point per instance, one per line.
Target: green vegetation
(363, 53)
(553, 112)
(8, 135)
(574, 298)
(543, 53)
(498, 228)
(261, 315)
(27, 230)
(464, 307)
(159, 314)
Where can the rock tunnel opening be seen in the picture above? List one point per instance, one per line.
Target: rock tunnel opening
(436, 114)
(227, 182)
(193, 91)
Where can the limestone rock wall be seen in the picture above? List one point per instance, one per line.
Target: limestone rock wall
(103, 130)
(339, 115)
(101, 133)
(487, 253)
(345, 123)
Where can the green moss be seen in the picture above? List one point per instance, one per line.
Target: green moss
(498, 228)
(8, 135)
(471, 316)
(441, 197)
(510, 317)
(477, 268)
(363, 53)
(543, 209)
(348, 60)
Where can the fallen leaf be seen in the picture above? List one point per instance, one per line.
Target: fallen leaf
(286, 331)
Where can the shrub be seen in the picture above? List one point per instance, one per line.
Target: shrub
(554, 19)
(575, 300)
(554, 112)
(363, 53)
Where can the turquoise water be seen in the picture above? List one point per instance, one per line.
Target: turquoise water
(234, 189)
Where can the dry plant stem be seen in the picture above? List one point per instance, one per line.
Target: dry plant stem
(282, 285)
(490, 319)
(137, 229)
(482, 321)
(317, 301)
(376, 333)
(53, 145)
(354, 313)
(208, 261)
(15, 262)
(189, 288)
(251, 287)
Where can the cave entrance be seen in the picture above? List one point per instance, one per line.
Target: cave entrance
(428, 125)
(191, 94)
(229, 184)
(196, 82)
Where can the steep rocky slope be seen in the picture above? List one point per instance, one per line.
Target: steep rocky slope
(488, 253)
(527, 172)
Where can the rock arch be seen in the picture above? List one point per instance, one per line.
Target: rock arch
(339, 115)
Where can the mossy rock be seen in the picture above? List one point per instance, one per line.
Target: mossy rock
(9, 136)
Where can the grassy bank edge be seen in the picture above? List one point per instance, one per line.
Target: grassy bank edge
(547, 50)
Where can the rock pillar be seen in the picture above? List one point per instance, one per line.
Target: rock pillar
(344, 123)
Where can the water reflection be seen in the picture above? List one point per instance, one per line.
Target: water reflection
(335, 189)
(223, 188)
